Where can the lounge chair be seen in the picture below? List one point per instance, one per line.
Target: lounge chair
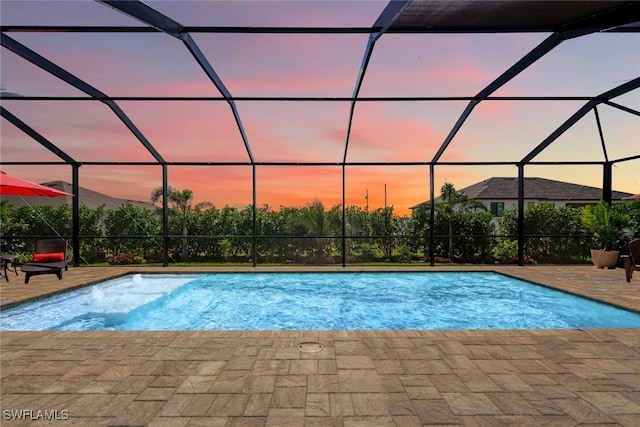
(50, 258)
(632, 261)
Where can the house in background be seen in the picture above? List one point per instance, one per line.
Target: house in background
(498, 194)
(89, 198)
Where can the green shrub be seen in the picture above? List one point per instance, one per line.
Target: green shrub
(506, 251)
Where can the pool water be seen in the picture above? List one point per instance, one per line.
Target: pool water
(315, 301)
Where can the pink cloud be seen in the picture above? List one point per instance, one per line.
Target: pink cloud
(189, 131)
(286, 65)
(87, 132)
(379, 134)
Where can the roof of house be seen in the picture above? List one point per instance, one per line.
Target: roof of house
(91, 199)
(501, 188)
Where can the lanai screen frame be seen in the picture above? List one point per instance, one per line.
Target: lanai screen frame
(405, 17)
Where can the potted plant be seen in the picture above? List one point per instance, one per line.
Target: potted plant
(607, 228)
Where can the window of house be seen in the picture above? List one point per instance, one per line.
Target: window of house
(497, 208)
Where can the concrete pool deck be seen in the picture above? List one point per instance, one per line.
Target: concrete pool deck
(358, 378)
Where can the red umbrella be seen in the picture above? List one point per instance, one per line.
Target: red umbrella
(11, 185)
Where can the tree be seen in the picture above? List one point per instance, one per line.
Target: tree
(320, 224)
(127, 224)
(181, 202)
(451, 202)
(551, 234)
(92, 224)
(11, 224)
(381, 224)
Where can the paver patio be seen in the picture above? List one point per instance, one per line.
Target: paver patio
(358, 378)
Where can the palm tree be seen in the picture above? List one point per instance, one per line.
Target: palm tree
(181, 202)
(318, 223)
(452, 201)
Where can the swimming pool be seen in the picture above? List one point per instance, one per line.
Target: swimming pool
(315, 301)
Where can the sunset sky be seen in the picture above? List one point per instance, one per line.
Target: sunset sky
(311, 65)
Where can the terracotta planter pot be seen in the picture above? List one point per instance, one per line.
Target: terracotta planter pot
(604, 259)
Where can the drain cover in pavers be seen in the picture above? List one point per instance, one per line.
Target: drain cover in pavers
(309, 347)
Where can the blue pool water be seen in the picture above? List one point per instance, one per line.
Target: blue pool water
(314, 301)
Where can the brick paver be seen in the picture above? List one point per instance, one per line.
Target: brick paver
(359, 378)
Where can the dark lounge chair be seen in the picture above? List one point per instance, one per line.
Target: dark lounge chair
(50, 258)
(632, 261)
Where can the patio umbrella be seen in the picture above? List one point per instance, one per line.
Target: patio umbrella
(12, 185)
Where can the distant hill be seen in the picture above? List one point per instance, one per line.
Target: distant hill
(91, 199)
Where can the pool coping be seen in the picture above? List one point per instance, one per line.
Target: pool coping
(571, 285)
(4, 305)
